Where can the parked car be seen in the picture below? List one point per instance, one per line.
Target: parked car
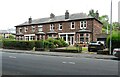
(95, 46)
(116, 52)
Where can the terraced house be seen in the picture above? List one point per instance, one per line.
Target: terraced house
(73, 28)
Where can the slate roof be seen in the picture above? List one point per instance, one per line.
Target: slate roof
(75, 16)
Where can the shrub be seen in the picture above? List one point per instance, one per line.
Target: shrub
(39, 44)
(115, 41)
(1, 43)
(29, 45)
(57, 43)
(64, 44)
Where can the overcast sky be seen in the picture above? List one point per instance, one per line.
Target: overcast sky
(15, 12)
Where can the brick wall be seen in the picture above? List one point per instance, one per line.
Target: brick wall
(97, 29)
(66, 28)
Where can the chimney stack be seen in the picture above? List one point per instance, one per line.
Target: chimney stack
(97, 15)
(66, 14)
(52, 15)
(30, 20)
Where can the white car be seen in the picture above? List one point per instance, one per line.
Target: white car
(116, 52)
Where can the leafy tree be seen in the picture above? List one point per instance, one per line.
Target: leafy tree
(104, 19)
(11, 37)
(115, 25)
(92, 13)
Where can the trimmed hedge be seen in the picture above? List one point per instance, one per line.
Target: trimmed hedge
(18, 44)
(115, 41)
(29, 45)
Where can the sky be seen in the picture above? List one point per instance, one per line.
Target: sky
(15, 12)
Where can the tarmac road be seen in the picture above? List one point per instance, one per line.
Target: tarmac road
(31, 64)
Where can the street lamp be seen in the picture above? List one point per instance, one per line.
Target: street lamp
(111, 29)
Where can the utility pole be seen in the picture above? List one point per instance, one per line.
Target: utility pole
(111, 29)
(119, 11)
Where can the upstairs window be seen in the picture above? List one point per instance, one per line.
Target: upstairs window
(52, 27)
(83, 24)
(20, 30)
(60, 26)
(40, 28)
(33, 28)
(72, 25)
(26, 29)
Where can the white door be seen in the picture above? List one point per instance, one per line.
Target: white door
(71, 40)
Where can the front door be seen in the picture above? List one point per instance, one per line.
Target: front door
(71, 40)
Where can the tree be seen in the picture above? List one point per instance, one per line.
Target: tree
(115, 25)
(11, 37)
(104, 19)
(92, 13)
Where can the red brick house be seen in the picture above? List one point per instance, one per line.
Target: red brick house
(73, 28)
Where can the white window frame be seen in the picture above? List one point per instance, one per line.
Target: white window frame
(60, 25)
(40, 26)
(51, 27)
(72, 23)
(84, 23)
(20, 30)
(26, 29)
(33, 28)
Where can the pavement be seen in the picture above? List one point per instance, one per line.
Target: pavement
(83, 55)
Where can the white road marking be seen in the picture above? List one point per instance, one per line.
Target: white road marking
(68, 57)
(71, 62)
(12, 57)
(64, 62)
(68, 62)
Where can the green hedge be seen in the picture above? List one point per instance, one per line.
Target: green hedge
(18, 44)
(115, 41)
(29, 45)
(1, 44)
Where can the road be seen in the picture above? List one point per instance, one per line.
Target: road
(30, 64)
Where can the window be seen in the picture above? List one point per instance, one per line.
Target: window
(87, 40)
(20, 37)
(40, 28)
(20, 30)
(27, 38)
(33, 28)
(26, 29)
(50, 35)
(81, 38)
(32, 37)
(81, 35)
(83, 24)
(51, 27)
(72, 25)
(60, 26)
